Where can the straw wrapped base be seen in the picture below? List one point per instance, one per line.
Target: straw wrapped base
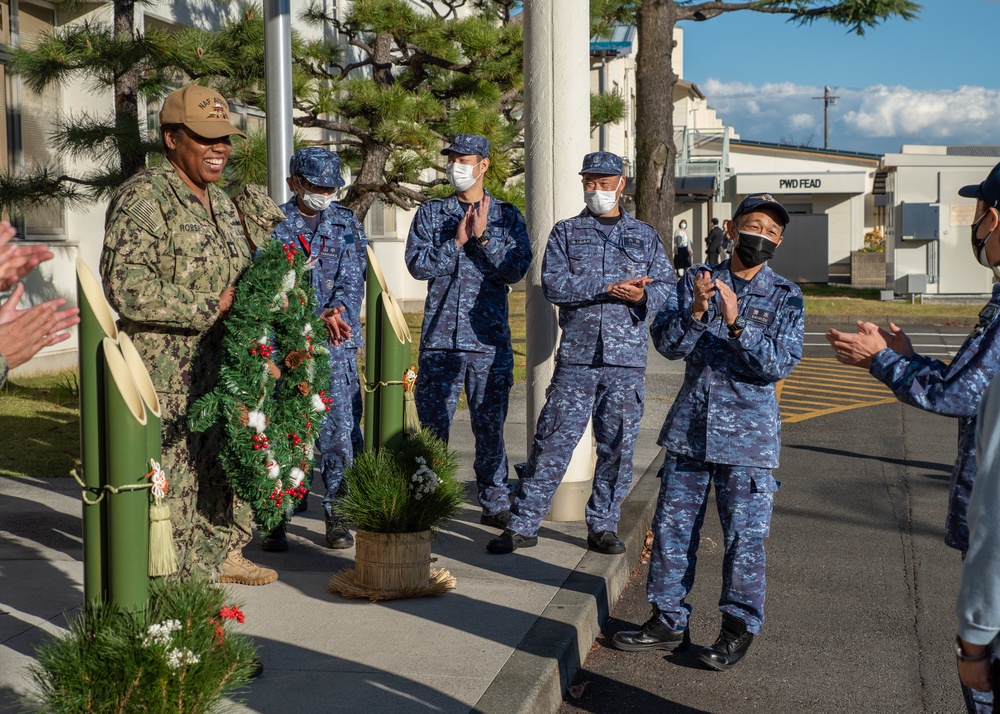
(390, 566)
(345, 583)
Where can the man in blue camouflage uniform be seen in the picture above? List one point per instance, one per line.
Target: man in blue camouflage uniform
(739, 327)
(951, 389)
(334, 242)
(469, 247)
(607, 272)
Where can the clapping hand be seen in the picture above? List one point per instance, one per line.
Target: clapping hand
(632, 290)
(24, 332)
(17, 260)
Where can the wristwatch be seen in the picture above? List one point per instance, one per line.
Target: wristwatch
(738, 324)
(484, 238)
(962, 657)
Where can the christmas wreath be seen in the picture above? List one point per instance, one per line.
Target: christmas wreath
(270, 395)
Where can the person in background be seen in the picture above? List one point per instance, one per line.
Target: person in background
(715, 242)
(469, 247)
(607, 272)
(335, 245)
(682, 249)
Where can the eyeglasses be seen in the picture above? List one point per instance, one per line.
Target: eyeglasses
(313, 188)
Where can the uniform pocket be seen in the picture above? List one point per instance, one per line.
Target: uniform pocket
(193, 256)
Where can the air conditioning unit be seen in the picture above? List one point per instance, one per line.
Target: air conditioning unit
(912, 284)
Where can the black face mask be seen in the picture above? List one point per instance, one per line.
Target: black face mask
(753, 249)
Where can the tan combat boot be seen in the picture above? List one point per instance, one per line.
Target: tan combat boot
(238, 569)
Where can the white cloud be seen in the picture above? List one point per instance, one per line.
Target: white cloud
(877, 118)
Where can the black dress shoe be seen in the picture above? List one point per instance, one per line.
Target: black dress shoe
(276, 541)
(337, 535)
(654, 635)
(497, 520)
(605, 542)
(730, 647)
(510, 541)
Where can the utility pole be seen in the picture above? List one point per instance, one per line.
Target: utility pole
(828, 101)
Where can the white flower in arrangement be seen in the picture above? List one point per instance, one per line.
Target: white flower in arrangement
(297, 475)
(257, 420)
(309, 451)
(160, 633)
(289, 281)
(308, 328)
(177, 657)
(424, 481)
(262, 340)
(273, 468)
(317, 403)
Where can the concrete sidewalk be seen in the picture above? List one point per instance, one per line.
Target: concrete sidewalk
(508, 639)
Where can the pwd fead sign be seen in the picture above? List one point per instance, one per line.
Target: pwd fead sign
(849, 182)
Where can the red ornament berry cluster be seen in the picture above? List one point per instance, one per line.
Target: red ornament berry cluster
(326, 400)
(290, 253)
(259, 350)
(278, 495)
(260, 442)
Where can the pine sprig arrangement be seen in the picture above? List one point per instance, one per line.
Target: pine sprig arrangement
(271, 397)
(180, 653)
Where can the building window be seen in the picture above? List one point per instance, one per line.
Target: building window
(380, 223)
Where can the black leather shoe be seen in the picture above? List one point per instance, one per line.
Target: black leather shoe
(337, 535)
(730, 647)
(510, 541)
(276, 541)
(654, 635)
(605, 542)
(497, 520)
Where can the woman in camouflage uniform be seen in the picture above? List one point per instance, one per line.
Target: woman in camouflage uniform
(173, 250)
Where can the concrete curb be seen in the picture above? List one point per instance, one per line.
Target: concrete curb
(536, 676)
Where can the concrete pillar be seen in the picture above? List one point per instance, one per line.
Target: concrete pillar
(278, 98)
(556, 137)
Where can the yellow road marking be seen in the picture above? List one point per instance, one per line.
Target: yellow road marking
(820, 386)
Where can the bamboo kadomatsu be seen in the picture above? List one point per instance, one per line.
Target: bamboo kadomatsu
(162, 556)
(128, 500)
(394, 359)
(96, 324)
(374, 286)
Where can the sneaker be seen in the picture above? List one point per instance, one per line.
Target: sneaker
(276, 541)
(238, 569)
(338, 536)
(654, 635)
(606, 542)
(731, 645)
(498, 520)
(510, 541)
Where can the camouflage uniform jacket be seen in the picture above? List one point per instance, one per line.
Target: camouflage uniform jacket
(727, 410)
(164, 265)
(953, 389)
(336, 251)
(466, 307)
(580, 263)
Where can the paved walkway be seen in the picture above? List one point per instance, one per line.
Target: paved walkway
(505, 640)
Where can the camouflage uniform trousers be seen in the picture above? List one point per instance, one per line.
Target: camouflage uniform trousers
(488, 378)
(615, 398)
(208, 520)
(744, 496)
(341, 436)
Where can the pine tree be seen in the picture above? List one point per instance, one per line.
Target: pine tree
(393, 86)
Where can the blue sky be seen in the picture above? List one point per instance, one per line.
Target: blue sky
(934, 80)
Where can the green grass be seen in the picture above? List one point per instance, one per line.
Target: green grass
(40, 426)
(837, 300)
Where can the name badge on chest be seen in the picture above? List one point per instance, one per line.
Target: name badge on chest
(633, 242)
(759, 314)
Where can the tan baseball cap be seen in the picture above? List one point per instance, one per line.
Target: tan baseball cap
(201, 109)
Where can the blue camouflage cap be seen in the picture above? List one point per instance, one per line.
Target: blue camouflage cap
(988, 191)
(761, 200)
(318, 166)
(602, 163)
(467, 144)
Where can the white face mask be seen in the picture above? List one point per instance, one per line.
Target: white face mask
(600, 202)
(460, 175)
(316, 201)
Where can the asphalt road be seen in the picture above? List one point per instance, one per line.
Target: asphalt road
(861, 587)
